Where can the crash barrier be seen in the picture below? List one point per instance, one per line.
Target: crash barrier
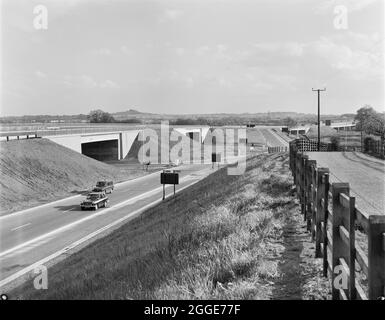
(332, 219)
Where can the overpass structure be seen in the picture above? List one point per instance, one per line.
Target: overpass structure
(100, 146)
(114, 144)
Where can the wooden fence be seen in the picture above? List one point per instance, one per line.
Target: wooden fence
(305, 144)
(277, 149)
(332, 218)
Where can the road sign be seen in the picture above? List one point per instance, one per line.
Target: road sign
(169, 178)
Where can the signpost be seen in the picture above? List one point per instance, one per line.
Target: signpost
(169, 177)
(215, 157)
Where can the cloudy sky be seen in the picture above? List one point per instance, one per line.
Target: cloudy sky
(191, 56)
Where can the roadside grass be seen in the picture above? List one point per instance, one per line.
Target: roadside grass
(38, 171)
(345, 138)
(223, 238)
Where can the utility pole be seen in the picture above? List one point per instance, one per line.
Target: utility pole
(319, 119)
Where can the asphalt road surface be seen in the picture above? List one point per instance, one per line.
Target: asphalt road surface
(273, 139)
(365, 175)
(38, 235)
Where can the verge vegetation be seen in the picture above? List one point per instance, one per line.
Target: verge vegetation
(36, 171)
(226, 237)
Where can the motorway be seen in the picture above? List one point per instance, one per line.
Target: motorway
(365, 175)
(273, 139)
(35, 236)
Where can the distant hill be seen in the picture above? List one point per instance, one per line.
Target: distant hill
(136, 116)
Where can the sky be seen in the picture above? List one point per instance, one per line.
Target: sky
(191, 56)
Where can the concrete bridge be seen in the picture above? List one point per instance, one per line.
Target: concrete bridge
(101, 145)
(114, 145)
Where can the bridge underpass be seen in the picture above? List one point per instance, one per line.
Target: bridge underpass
(118, 145)
(105, 150)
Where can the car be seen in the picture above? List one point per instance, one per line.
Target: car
(95, 200)
(104, 186)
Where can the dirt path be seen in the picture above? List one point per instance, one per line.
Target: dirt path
(300, 274)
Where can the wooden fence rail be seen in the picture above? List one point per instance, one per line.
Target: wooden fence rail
(332, 219)
(277, 149)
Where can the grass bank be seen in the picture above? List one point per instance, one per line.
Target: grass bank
(37, 171)
(226, 237)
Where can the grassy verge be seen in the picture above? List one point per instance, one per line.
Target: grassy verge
(37, 171)
(226, 237)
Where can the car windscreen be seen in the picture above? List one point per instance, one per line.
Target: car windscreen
(93, 196)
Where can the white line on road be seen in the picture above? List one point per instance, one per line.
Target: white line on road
(80, 241)
(72, 224)
(24, 225)
(29, 210)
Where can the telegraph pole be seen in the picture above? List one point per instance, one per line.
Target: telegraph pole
(319, 119)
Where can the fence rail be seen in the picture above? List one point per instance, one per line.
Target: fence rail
(332, 218)
(277, 149)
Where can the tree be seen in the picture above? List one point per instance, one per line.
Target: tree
(370, 121)
(289, 122)
(375, 124)
(335, 141)
(99, 116)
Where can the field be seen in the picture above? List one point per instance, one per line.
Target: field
(226, 237)
(37, 171)
(345, 138)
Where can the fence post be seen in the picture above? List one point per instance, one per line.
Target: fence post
(298, 173)
(319, 215)
(376, 256)
(310, 199)
(337, 220)
(304, 158)
(326, 219)
(313, 168)
(352, 248)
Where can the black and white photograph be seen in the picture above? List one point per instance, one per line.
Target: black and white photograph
(192, 157)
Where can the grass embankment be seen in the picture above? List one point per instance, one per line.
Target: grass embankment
(37, 171)
(226, 237)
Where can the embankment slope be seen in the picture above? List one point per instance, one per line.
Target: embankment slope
(36, 171)
(226, 237)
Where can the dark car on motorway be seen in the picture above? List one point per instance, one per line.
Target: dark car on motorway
(94, 200)
(104, 186)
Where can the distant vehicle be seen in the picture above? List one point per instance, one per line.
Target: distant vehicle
(104, 186)
(94, 200)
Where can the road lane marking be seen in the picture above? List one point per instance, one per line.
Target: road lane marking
(24, 225)
(118, 185)
(80, 241)
(102, 212)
